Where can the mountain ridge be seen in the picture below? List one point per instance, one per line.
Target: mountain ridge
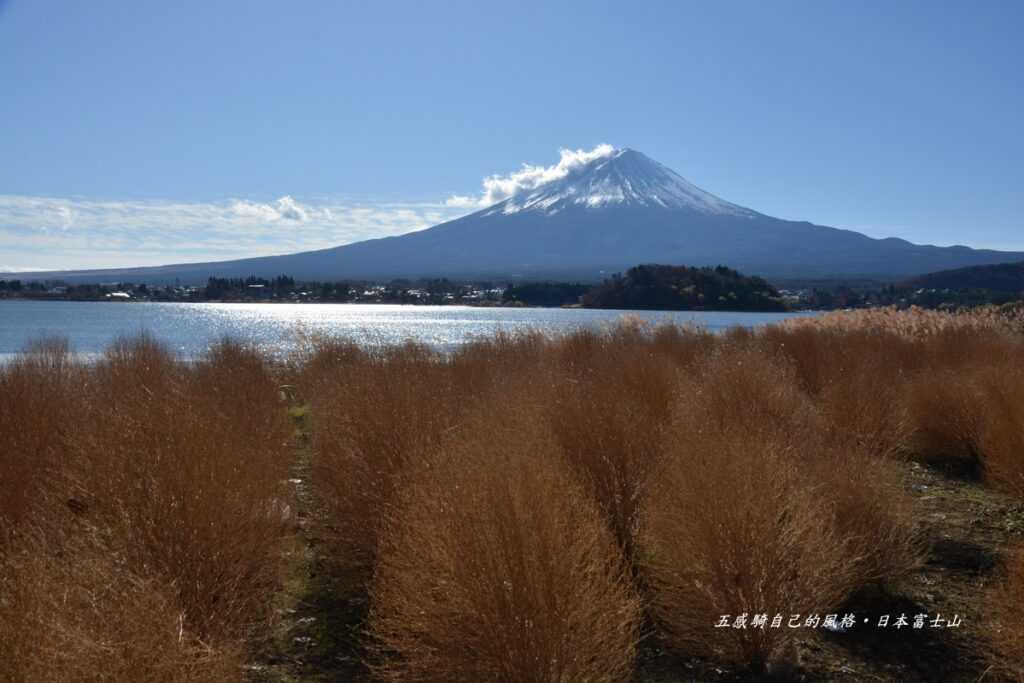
(615, 211)
(999, 277)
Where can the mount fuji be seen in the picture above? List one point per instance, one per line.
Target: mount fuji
(616, 209)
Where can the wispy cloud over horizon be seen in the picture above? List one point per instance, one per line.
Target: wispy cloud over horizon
(72, 233)
(498, 188)
(46, 233)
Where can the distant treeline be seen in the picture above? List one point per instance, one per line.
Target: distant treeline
(650, 287)
(683, 288)
(960, 288)
(642, 287)
(1000, 277)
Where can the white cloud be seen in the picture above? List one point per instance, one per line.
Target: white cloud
(285, 208)
(497, 188)
(49, 232)
(67, 217)
(462, 201)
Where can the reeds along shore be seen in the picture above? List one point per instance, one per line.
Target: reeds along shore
(519, 510)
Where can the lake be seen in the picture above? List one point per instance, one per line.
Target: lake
(190, 328)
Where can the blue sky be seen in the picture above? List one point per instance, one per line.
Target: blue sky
(146, 132)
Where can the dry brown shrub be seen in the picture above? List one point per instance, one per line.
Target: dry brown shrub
(190, 465)
(71, 610)
(733, 527)
(685, 345)
(872, 511)
(377, 413)
(957, 348)
(759, 510)
(321, 358)
(740, 387)
(964, 406)
(858, 377)
(1002, 628)
(485, 363)
(810, 349)
(37, 415)
(151, 547)
(1001, 435)
(902, 381)
(863, 492)
(945, 416)
(373, 417)
(611, 408)
(917, 323)
(496, 566)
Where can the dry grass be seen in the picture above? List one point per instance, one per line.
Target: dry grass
(967, 407)
(734, 529)
(506, 507)
(37, 411)
(73, 611)
(375, 414)
(918, 323)
(495, 566)
(482, 366)
(613, 398)
(1000, 437)
(936, 386)
(756, 511)
(858, 377)
(946, 416)
(155, 532)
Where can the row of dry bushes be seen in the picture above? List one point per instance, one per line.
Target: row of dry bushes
(953, 388)
(522, 509)
(492, 500)
(143, 512)
(941, 387)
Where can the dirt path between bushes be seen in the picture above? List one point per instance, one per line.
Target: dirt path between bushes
(317, 637)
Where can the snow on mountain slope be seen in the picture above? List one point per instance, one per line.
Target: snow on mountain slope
(624, 178)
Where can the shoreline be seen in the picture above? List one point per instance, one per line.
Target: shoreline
(409, 305)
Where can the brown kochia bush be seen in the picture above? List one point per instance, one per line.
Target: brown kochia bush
(918, 323)
(945, 416)
(190, 465)
(37, 414)
(610, 407)
(72, 610)
(756, 512)
(376, 413)
(157, 543)
(485, 364)
(373, 417)
(760, 396)
(495, 566)
(965, 405)
(1000, 435)
(857, 376)
(733, 529)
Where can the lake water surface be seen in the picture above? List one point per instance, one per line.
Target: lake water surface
(190, 328)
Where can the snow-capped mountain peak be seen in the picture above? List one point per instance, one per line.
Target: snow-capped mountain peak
(623, 178)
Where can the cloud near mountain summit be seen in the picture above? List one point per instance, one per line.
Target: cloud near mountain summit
(498, 188)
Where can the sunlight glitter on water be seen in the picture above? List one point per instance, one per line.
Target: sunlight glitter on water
(189, 329)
